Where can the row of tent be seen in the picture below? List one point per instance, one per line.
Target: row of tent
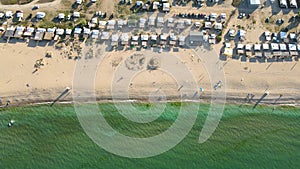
(115, 38)
(267, 50)
(284, 4)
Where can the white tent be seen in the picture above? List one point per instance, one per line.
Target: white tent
(292, 47)
(77, 30)
(105, 35)
(248, 47)
(61, 16)
(265, 46)
(68, 31)
(59, 31)
(76, 14)
(218, 26)
(274, 46)
(282, 47)
(293, 4)
(257, 47)
(40, 15)
(240, 46)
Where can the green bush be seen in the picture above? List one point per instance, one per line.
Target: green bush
(219, 38)
(236, 3)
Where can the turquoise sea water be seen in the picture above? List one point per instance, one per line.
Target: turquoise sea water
(51, 137)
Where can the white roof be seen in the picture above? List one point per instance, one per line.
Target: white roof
(293, 3)
(248, 46)
(76, 14)
(282, 46)
(254, 2)
(139, 3)
(231, 31)
(173, 36)
(218, 26)
(170, 20)
(40, 30)
(95, 32)
(166, 5)
(124, 37)
(292, 47)
(160, 19)
(188, 21)
(142, 20)
(180, 21)
(61, 15)
(283, 35)
(86, 31)
(207, 24)
(111, 22)
(151, 20)
(78, 1)
(163, 37)
(223, 15)
(257, 47)
(181, 38)
(153, 37)
(213, 15)
(20, 15)
(212, 36)
(68, 31)
(8, 14)
(274, 46)
(115, 37)
(242, 32)
(240, 46)
(135, 38)
(267, 33)
(77, 30)
(121, 22)
(144, 37)
(292, 35)
(29, 29)
(227, 45)
(102, 23)
(20, 28)
(104, 35)
(60, 31)
(265, 46)
(51, 29)
(94, 20)
(40, 15)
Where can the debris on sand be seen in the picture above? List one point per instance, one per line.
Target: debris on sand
(135, 62)
(153, 64)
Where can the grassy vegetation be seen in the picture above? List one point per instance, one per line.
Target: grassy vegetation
(236, 3)
(9, 2)
(13, 2)
(45, 1)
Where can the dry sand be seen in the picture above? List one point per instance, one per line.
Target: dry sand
(17, 66)
(20, 85)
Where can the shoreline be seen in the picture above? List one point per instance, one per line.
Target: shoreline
(270, 101)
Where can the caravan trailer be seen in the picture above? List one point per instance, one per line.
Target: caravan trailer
(283, 4)
(293, 4)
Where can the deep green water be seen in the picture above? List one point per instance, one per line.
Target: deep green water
(51, 137)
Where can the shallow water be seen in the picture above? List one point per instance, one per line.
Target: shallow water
(51, 137)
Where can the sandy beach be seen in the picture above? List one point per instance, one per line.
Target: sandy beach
(20, 84)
